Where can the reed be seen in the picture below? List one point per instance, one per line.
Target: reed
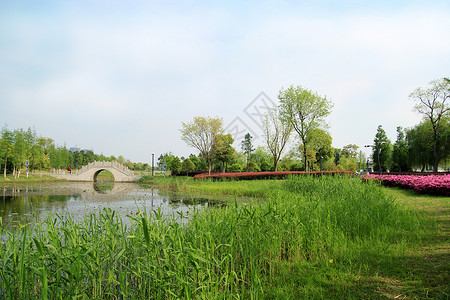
(334, 225)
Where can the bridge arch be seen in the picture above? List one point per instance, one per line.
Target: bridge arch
(98, 172)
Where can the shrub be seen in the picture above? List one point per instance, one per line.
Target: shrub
(426, 184)
(235, 168)
(266, 175)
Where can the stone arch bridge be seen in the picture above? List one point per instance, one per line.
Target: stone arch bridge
(90, 172)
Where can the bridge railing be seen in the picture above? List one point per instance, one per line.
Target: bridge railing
(106, 164)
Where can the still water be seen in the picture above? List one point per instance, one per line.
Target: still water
(21, 203)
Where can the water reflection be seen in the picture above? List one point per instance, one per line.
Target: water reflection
(21, 203)
(103, 187)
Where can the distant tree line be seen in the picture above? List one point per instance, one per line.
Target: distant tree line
(423, 147)
(21, 148)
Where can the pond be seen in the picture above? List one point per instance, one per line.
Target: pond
(22, 203)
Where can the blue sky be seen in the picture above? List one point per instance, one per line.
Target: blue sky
(120, 77)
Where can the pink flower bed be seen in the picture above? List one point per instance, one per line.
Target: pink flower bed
(266, 175)
(430, 184)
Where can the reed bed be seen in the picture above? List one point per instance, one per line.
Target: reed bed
(239, 251)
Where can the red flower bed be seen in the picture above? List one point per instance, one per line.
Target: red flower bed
(267, 175)
(426, 184)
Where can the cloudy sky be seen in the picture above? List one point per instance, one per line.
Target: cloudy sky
(119, 77)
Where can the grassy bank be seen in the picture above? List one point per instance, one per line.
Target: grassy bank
(24, 179)
(253, 188)
(329, 237)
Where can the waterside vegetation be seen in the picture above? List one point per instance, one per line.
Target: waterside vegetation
(303, 237)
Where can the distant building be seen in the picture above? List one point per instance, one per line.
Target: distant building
(73, 149)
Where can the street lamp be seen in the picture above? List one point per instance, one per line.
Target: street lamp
(153, 163)
(378, 153)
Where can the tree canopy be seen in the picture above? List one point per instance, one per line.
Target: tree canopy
(304, 110)
(201, 133)
(434, 104)
(276, 134)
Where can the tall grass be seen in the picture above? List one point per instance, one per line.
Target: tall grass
(239, 251)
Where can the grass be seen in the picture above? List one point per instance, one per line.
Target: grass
(311, 238)
(252, 188)
(24, 179)
(105, 175)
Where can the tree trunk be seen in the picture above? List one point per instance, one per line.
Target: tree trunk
(435, 154)
(304, 156)
(209, 167)
(275, 164)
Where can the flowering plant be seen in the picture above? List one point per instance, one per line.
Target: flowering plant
(430, 184)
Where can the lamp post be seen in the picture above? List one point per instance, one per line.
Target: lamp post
(378, 153)
(153, 163)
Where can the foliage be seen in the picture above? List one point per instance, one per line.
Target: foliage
(266, 175)
(187, 166)
(326, 235)
(223, 150)
(201, 133)
(247, 147)
(235, 168)
(419, 140)
(400, 159)
(428, 184)
(276, 134)
(434, 104)
(304, 110)
(381, 154)
(320, 146)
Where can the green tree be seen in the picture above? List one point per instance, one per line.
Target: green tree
(304, 110)
(381, 153)
(420, 143)
(276, 134)
(434, 104)
(175, 165)
(350, 150)
(235, 168)
(201, 134)
(361, 160)
(320, 145)
(247, 147)
(187, 166)
(400, 157)
(223, 150)
(262, 158)
(19, 151)
(199, 162)
(6, 147)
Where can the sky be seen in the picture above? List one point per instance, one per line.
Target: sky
(120, 77)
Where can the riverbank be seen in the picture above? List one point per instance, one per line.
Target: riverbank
(30, 179)
(310, 238)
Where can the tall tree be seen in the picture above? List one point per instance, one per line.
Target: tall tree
(276, 134)
(201, 134)
(350, 150)
(381, 153)
(304, 110)
(434, 104)
(247, 147)
(420, 144)
(223, 149)
(320, 145)
(6, 146)
(400, 158)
